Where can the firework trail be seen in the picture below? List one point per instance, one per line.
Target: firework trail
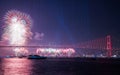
(17, 28)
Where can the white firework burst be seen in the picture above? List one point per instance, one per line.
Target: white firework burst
(17, 29)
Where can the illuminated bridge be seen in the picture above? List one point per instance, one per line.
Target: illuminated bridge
(109, 44)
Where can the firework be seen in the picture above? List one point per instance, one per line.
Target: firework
(17, 28)
(20, 51)
(62, 52)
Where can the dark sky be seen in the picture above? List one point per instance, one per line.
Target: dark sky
(68, 21)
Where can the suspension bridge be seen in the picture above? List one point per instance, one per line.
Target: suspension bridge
(108, 43)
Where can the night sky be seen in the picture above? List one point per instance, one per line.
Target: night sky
(68, 21)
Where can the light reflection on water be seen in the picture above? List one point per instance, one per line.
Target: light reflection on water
(15, 66)
(24, 66)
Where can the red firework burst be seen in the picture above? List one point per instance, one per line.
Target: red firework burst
(24, 18)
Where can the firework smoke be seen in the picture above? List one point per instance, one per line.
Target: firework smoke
(17, 28)
(38, 36)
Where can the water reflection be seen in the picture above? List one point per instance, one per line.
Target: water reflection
(15, 66)
(57, 66)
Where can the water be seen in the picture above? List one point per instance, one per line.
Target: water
(66, 66)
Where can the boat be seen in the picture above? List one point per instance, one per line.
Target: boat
(36, 57)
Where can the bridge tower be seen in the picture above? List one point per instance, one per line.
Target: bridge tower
(109, 45)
